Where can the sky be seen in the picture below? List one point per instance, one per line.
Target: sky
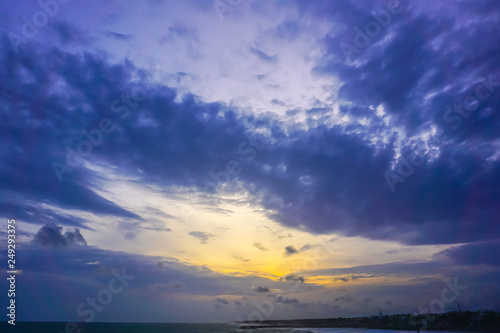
(213, 161)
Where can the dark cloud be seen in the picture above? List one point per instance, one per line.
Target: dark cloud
(480, 253)
(385, 77)
(31, 175)
(278, 102)
(222, 301)
(346, 299)
(118, 36)
(68, 33)
(294, 278)
(261, 289)
(317, 111)
(290, 250)
(52, 235)
(320, 179)
(32, 213)
(64, 277)
(286, 300)
(262, 55)
(202, 236)
(341, 278)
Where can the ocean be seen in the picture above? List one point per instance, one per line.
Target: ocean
(45, 327)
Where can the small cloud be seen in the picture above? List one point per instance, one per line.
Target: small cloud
(241, 258)
(294, 278)
(277, 102)
(179, 30)
(293, 113)
(341, 278)
(238, 303)
(368, 300)
(118, 36)
(286, 300)
(317, 111)
(261, 289)
(176, 284)
(306, 247)
(262, 55)
(352, 277)
(347, 299)
(289, 235)
(260, 246)
(279, 236)
(388, 303)
(68, 33)
(290, 250)
(220, 300)
(202, 236)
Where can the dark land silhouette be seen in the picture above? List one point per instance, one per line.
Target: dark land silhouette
(468, 321)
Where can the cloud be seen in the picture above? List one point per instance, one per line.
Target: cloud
(119, 36)
(286, 300)
(51, 235)
(179, 30)
(261, 289)
(294, 278)
(341, 278)
(316, 176)
(260, 246)
(132, 229)
(274, 233)
(346, 299)
(290, 250)
(68, 33)
(202, 236)
(88, 269)
(220, 300)
(241, 258)
(394, 268)
(480, 253)
(262, 55)
(320, 175)
(353, 277)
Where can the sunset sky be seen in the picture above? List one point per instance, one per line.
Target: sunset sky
(250, 159)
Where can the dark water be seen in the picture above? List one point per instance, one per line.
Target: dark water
(33, 327)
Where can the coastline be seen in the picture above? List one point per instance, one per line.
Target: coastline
(477, 322)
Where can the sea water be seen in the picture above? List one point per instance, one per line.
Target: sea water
(45, 327)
